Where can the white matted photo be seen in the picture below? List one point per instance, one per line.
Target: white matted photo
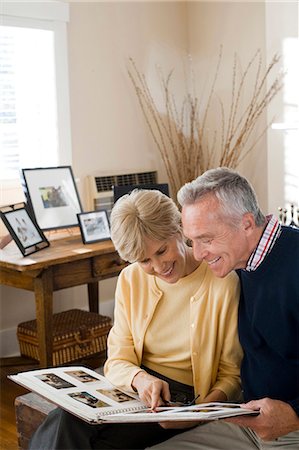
(24, 230)
(94, 226)
(53, 197)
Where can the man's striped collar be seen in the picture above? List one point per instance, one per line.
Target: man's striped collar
(269, 236)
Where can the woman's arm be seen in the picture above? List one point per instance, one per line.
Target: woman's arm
(123, 361)
(228, 371)
(125, 341)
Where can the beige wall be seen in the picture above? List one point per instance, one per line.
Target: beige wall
(108, 129)
(239, 27)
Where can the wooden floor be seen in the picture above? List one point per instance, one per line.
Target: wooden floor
(8, 392)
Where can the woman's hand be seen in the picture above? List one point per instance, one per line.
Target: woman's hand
(213, 396)
(151, 390)
(180, 425)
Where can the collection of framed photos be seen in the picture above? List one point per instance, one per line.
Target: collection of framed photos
(53, 202)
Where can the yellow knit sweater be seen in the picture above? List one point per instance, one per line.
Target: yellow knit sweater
(214, 346)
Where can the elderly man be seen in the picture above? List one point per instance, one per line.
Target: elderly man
(222, 218)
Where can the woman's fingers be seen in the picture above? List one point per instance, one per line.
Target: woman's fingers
(151, 390)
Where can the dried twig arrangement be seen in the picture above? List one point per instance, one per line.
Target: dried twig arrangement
(182, 135)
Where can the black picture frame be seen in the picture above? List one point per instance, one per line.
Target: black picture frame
(24, 229)
(94, 226)
(119, 191)
(52, 196)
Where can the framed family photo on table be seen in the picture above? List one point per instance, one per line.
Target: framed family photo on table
(23, 229)
(94, 226)
(52, 195)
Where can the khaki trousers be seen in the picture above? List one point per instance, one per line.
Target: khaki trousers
(226, 436)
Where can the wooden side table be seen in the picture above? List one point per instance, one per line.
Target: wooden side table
(66, 263)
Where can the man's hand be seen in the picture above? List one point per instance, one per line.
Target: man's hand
(276, 419)
(151, 390)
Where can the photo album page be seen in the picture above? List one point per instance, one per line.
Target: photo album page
(80, 391)
(90, 396)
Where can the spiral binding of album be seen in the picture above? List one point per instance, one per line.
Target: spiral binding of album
(121, 411)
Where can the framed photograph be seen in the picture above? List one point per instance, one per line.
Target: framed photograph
(24, 229)
(52, 195)
(94, 226)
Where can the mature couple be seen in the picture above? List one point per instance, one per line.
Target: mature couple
(180, 313)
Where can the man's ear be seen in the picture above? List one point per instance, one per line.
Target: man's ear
(248, 223)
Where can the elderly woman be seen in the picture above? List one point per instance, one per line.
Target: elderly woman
(175, 331)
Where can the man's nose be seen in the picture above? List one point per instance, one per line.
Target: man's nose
(199, 251)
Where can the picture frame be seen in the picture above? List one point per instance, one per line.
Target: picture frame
(94, 226)
(52, 195)
(24, 229)
(119, 191)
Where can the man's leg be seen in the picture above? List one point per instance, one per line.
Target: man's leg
(289, 442)
(212, 436)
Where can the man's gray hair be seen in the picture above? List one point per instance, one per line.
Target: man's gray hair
(235, 194)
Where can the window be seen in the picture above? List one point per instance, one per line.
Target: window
(291, 120)
(283, 137)
(34, 101)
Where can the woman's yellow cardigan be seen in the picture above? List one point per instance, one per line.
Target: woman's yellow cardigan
(215, 350)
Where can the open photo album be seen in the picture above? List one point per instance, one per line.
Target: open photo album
(89, 395)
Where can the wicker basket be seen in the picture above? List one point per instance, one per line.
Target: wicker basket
(76, 334)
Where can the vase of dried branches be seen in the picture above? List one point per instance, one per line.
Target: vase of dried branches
(179, 133)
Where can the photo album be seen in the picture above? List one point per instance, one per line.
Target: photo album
(89, 395)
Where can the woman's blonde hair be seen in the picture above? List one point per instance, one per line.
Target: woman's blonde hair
(142, 213)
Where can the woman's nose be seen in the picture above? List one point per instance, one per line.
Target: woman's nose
(158, 266)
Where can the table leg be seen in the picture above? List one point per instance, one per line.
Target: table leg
(93, 296)
(43, 288)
